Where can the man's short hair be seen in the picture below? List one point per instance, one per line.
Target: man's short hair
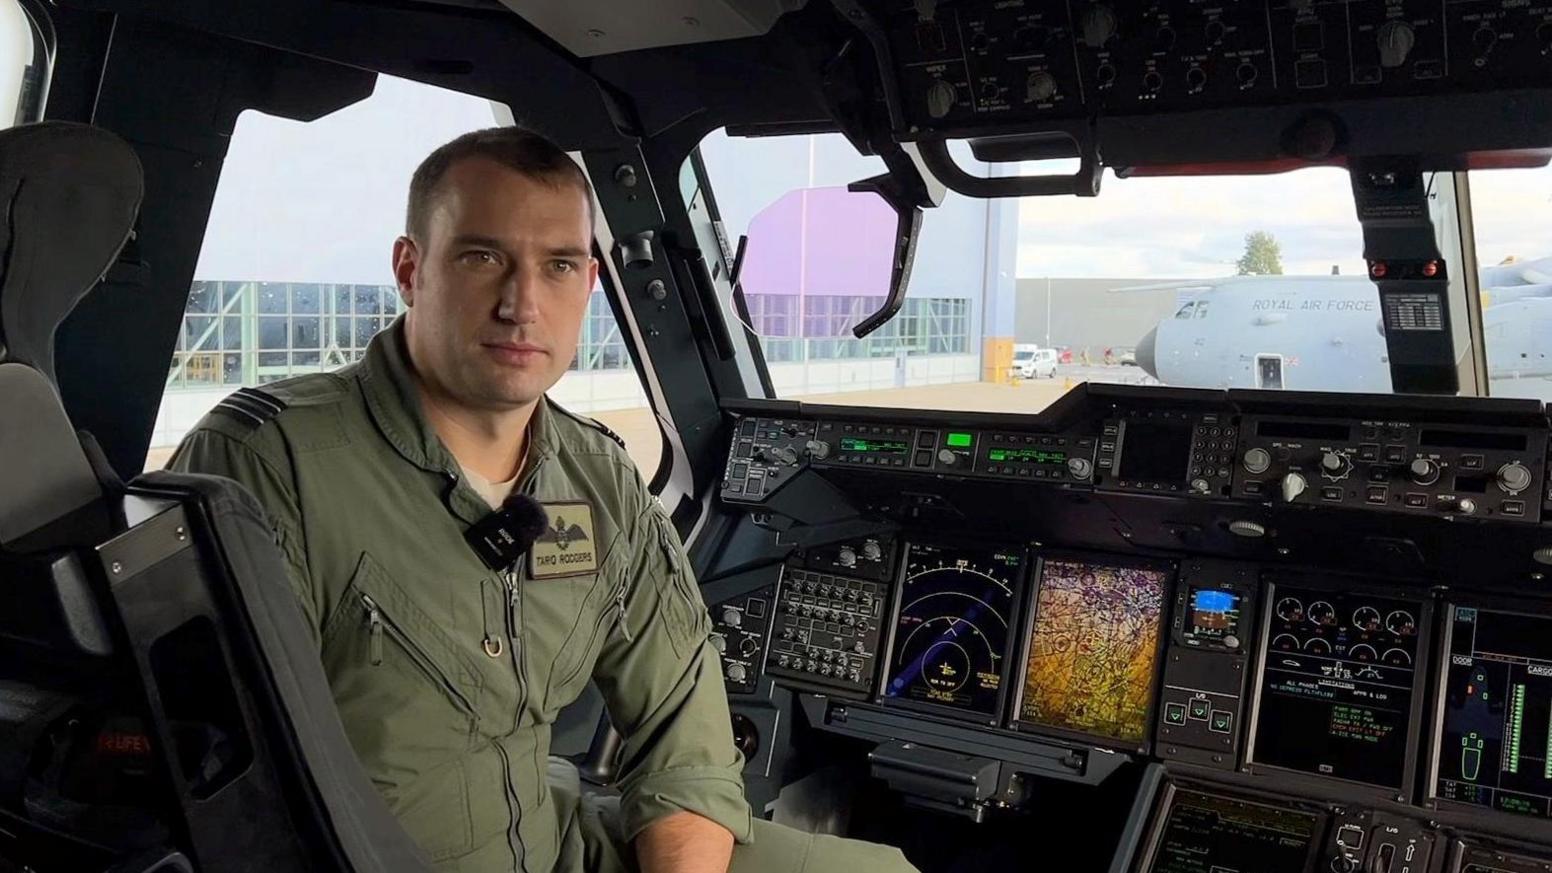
(520, 150)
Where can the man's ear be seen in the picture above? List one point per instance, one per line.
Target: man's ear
(592, 273)
(406, 261)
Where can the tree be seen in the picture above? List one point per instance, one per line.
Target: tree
(1262, 257)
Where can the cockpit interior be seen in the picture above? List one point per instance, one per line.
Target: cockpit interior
(1211, 566)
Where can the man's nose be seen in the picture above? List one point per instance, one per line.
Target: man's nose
(519, 301)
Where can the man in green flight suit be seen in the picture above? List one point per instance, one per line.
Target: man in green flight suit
(449, 674)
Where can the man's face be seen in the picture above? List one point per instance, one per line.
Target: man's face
(498, 286)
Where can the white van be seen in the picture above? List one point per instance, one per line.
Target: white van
(1031, 362)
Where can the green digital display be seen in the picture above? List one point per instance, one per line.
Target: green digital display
(960, 440)
(1025, 456)
(888, 447)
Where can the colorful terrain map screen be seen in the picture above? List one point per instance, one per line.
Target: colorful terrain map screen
(1093, 649)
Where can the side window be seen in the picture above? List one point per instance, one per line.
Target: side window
(295, 274)
(21, 66)
(1186, 310)
(1515, 268)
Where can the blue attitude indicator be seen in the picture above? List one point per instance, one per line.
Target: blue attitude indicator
(1214, 615)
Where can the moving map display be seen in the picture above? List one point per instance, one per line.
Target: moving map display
(1337, 685)
(952, 629)
(1094, 649)
(1208, 833)
(1495, 742)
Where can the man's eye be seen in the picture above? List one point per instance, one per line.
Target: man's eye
(479, 257)
(563, 266)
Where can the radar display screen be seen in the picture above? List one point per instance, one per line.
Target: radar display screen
(1213, 615)
(1207, 833)
(1337, 684)
(1094, 649)
(1495, 742)
(951, 632)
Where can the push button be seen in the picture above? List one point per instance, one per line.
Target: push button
(1417, 501)
(1222, 721)
(1333, 495)
(1378, 494)
(1200, 708)
(1514, 507)
(1369, 452)
(1471, 462)
(1174, 713)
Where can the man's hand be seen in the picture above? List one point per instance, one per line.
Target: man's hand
(684, 843)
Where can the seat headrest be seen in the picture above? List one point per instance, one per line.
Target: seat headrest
(69, 194)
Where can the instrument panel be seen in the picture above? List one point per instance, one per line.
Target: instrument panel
(1329, 684)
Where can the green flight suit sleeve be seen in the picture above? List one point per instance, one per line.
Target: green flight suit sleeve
(662, 682)
(269, 477)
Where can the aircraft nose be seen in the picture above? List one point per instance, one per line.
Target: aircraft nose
(1145, 353)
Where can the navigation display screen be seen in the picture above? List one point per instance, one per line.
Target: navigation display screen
(1495, 743)
(1337, 685)
(1206, 833)
(1156, 452)
(1094, 649)
(951, 633)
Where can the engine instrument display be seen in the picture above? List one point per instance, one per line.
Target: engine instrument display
(1495, 740)
(952, 628)
(1093, 649)
(1337, 685)
(1207, 833)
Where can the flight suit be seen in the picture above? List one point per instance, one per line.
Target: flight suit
(449, 675)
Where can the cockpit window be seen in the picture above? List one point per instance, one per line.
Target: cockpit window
(1514, 259)
(1180, 281)
(294, 276)
(21, 70)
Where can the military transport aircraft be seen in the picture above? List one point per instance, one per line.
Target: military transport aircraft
(1145, 629)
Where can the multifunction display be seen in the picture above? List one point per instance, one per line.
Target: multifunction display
(952, 628)
(1208, 833)
(1495, 740)
(1093, 649)
(1337, 684)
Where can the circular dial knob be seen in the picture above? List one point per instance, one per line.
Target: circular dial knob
(1396, 39)
(1080, 468)
(1294, 484)
(817, 449)
(737, 673)
(786, 455)
(947, 456)
(1461, 505)
(1040, 87)
(1257, 461)
(847, 557)
(871, 550)
(941, 97)
(1424, 471)
(1334, 464)
(732, 617)
(1514, 478)
(1097, 26)
(719, 642)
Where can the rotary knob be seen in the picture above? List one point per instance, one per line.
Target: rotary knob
(871, 550)
(1097, 26)
(737, 673)
(719, 642)
(1080, 468)
(1040, 88)
(732, 617)
(1424, 471)
(847, 557)
(1334, 464)
(947, 457)
(941, 97)
(1294, 484)
(786, 455)
(1459, 505)
(1396, 39)
(1514, 478)
(1257, 461)
(817, 449)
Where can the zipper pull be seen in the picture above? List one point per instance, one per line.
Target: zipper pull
(374, 619)
(510, 578)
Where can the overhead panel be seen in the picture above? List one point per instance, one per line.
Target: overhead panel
(588, 28)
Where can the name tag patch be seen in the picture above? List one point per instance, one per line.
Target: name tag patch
(568, 546)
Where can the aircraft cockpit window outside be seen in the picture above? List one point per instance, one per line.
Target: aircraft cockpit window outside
(1204, 282)
(295, 273)
(21, 70)
(1514, 260)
